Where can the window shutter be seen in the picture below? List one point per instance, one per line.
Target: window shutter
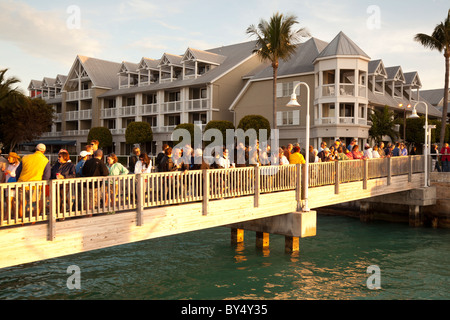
(279, 118)
(297, 91)
(296, 117)
(279, 90)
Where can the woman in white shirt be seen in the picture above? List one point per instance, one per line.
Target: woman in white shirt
(282, 157)
(375, 153)
(144, 165)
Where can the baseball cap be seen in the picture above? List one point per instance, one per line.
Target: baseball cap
(41, 147)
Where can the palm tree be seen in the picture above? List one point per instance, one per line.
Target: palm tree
(383, 122)
(5, 84)
(440, 40)
(276, 39)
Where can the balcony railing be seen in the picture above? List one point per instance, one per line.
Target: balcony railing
(108, 113)
(198, 104)
(173, 106)
(127, 111)
(347, 89)
(79, 95)
(118, 131)
(147, 109)
(79, 115)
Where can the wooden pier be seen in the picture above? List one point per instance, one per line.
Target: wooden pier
(79, 215)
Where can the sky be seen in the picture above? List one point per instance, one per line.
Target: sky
(42, 38)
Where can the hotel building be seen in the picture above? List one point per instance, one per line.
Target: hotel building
(227, 83)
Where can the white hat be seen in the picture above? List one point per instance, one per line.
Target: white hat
(84, 153)
(40, 147)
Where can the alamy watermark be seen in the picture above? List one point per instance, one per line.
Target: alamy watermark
(374, 280)
(244, 143)
(74, 19)
(74, 280)
(374, 20)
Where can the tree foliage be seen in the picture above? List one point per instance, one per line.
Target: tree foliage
(102, 134)
(440, 40)
(256, 122)
(23, 119)
(192, 130)
(383, 122)
(138, 132)
(276, 39)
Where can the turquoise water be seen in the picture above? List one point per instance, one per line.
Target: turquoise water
(414, 263)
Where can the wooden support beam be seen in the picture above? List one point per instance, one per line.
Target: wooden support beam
(262, 239)
(291, 244)
(237, 235)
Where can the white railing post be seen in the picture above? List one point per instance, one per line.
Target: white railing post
(257, 187)
(52, 210)
(336, 177)
(139, 199)
(205, 177)
(298, 186)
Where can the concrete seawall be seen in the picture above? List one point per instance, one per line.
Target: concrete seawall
(428, 207)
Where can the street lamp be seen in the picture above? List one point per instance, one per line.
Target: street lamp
(293, 103)
(404, 119)
(427, 136)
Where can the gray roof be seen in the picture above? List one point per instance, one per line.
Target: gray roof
(434, 96)
(235, 54)
(102, 73)
(129, 66)
(374, 65)
(411, 77)
(205, 56)
(342, 45)
(393, 71)
(148, 63)
(388, 100)
(300, 62)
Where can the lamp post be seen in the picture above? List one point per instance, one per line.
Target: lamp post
(427, 137)
(293, 103)
(404, 120)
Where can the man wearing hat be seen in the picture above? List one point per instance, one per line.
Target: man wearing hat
(79, 166)
(34, 167)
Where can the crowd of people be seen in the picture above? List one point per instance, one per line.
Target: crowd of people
(36, 166)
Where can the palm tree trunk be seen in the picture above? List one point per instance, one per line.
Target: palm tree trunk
(445, 102)
(274, 102)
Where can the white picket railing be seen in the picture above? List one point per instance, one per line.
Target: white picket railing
(31, 202)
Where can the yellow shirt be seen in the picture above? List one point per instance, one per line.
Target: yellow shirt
(33, 166)
(296, 157)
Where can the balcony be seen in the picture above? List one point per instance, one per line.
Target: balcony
(127, 111)
(118, 131)
(347, 89)
(80, 95)
(198, 104)
(148, 109)
(108, 113)
(79, 115)
(173, 106)
(51, 134)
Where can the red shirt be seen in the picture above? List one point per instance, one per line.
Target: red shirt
(444, 156)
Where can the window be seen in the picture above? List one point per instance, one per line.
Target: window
(288, 118)
(172, 120)
(284, 89)
(346, 110)
(328, 110)
(150, 98)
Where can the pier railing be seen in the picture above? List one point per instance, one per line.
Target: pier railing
(31, 202)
